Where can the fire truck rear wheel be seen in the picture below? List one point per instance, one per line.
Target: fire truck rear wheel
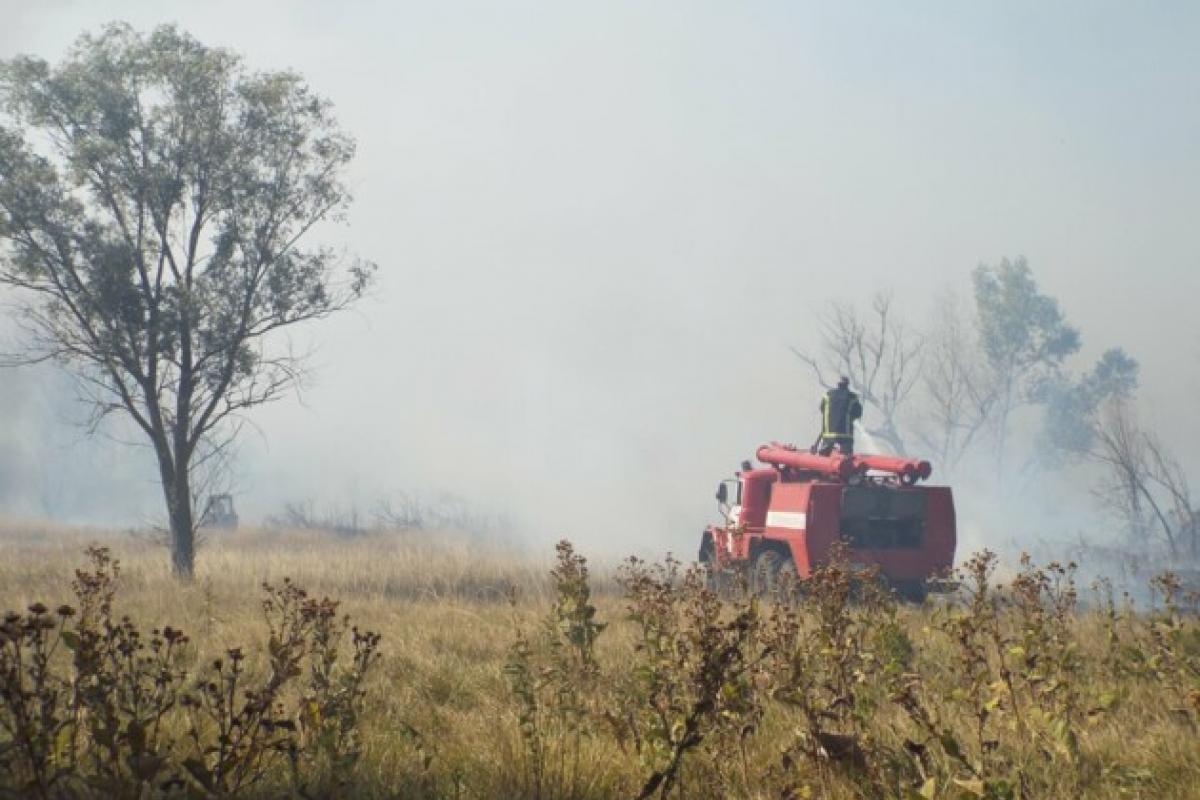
(766, 568)
(911, 591)
(786, 580)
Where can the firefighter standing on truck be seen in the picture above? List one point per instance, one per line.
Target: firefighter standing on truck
(840, 407)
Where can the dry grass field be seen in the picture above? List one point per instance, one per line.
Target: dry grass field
(498, 677)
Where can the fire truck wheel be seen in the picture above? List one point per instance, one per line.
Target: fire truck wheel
(911, 591)
(716, 579)
(712, 576)
(766, 566)
(786, 581)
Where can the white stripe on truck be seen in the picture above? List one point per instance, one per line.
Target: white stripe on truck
(787, 519)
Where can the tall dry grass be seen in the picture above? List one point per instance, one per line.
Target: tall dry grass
(493, 682)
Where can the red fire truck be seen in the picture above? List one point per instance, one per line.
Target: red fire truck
(782, 519)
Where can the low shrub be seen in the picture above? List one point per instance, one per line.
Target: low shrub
(92, 706)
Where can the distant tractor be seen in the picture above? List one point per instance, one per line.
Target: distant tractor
(781, 520)
(219, 513)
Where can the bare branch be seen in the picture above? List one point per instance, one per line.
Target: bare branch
(959, 395)
(880, 355)
(1144, 483)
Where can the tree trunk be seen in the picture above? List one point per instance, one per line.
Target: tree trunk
(1002, 432)
(183, 541)
(183, 532)
(177, 492)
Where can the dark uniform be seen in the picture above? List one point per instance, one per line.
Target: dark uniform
(840, 407)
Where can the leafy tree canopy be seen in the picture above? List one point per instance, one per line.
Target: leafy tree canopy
(1021, 330)
(1070, 407)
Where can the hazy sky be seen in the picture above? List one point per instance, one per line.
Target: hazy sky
(599, 225)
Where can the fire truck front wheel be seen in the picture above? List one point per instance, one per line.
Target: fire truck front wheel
(716, 578)
(708, 562)
(765, 571)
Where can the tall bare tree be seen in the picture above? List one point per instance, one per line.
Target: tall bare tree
(959, 393)
(1143, 482)
(154, 195)
(880, 355)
